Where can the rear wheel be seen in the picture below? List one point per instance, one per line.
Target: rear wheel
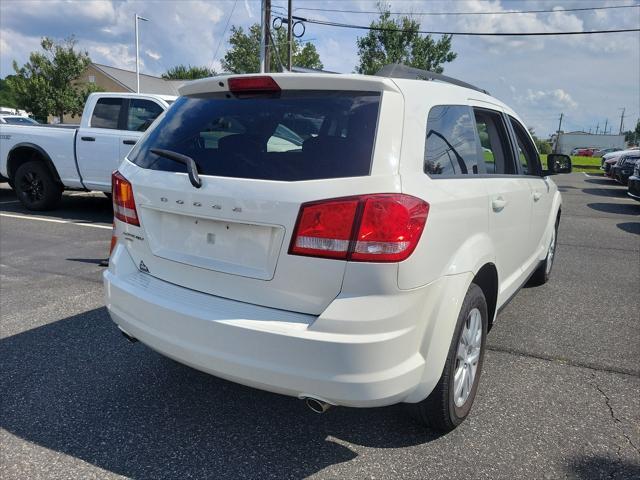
(450, 402)
(35, 186)
(543, 272)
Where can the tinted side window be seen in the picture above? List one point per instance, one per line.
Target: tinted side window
(529, 160)
(496, 147)
(141, 114)
(106, 113)
(450, 147)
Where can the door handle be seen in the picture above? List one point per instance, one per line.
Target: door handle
(536, 196)
(88, 139)
(129, 142)
(498, 204)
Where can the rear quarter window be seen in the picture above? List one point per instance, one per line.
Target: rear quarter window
(292, 136)
(450, 147)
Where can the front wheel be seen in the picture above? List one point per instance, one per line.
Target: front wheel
(450, 402)
(35, 186)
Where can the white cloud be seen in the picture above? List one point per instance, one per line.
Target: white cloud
(152, 54)
(557, 97)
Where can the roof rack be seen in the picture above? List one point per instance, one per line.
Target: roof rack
(398, 70)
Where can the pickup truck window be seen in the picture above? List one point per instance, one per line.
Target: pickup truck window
(297, 135)
(450, 147)
(106, 113)
(141, 114)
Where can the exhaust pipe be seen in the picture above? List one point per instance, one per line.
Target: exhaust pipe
(318, 406)
(127, 336)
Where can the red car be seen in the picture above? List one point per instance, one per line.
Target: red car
(585, 152)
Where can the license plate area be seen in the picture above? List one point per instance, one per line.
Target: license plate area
(237, 248)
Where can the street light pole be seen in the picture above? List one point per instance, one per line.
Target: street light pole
(138, 17)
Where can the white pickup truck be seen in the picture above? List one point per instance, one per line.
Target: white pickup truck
(41, 161)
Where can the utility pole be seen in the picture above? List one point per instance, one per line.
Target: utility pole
(621, 120)
(263, 35)
(555, 149)
(606, 122)
(267, 35)
(289, 30)
(136, 18)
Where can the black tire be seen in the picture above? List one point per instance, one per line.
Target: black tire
(439, 410)
(543, 272)
(35, 186)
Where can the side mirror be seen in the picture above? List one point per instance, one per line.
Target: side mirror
(558, 163)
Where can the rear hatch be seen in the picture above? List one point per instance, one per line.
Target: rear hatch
(260, 155)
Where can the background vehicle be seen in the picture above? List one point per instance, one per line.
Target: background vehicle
(633, 189)
(41, 161)
(615, 155)
(608, 165)
(361, 266)
(623, 168)
(604, 151)
(585, 152)
(17, 120)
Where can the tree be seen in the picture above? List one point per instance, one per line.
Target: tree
(7, 95)
(46, 84)
(244, 54)
(632, 137)
(543, 146)
(183, 72)
(396, 40)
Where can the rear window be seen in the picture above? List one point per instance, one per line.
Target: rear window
(295, 135)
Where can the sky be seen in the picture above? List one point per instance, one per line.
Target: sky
(588, 78)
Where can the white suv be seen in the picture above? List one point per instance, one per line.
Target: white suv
(343, 239)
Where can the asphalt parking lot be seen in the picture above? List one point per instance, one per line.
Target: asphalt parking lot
(559, 396)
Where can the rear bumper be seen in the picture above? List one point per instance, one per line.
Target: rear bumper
(369, 361)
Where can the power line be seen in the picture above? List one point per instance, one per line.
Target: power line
(488, 34)
(508, 12)
(224, 32)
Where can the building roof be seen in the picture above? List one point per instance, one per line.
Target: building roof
(148, 83)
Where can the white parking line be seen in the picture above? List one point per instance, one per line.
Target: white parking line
(55, 220)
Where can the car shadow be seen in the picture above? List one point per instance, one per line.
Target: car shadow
(74, 206)
(630, 227)
(607, 192)
(598, 467)
(618, 208)
(77, 387)
(601, 181)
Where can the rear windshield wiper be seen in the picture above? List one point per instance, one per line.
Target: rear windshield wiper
(190, 163)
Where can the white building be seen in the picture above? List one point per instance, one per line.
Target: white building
(570, 140)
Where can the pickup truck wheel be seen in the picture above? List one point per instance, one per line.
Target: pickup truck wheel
(543, 272)
(450, 402)
(35, 186)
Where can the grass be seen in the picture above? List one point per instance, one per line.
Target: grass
(579, 164)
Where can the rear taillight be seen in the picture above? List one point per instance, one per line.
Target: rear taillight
(366, 228)
(124, 205)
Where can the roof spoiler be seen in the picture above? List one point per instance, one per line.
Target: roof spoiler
(398, 70)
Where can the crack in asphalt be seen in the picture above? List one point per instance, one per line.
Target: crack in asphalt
(598, 248)
(616, 421)
(565, 361)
